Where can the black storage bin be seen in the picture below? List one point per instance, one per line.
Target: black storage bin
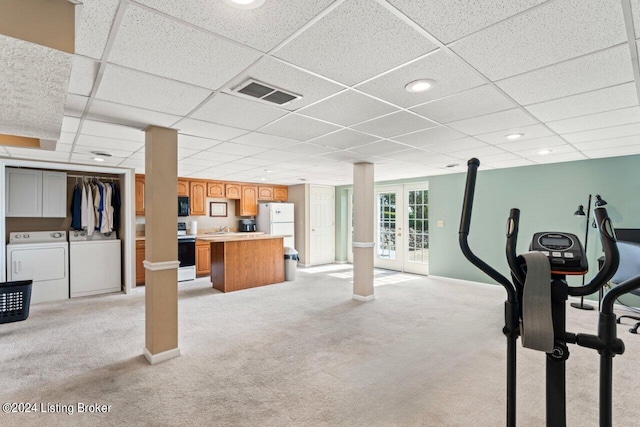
(15, 298)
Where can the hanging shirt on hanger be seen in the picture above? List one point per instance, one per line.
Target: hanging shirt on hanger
(76, 205)
(90, 211)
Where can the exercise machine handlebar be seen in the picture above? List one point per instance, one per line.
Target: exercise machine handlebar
(513, 224)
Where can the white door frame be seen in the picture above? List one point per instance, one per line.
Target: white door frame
(395, 261)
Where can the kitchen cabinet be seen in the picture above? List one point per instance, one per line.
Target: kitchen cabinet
(203, 258)
(233, 191)
(140, 245)
(215, 189)
(265, 193)
(248, 203)
(140, 195)
(35, 193)
(183, 187)
(280, 194)
(198, 197)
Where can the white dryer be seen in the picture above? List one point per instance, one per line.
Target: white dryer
(41, 256)
(95, 263)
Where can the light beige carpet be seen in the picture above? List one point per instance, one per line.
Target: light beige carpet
(426, 352)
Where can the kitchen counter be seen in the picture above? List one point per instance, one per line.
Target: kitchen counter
(227, 237)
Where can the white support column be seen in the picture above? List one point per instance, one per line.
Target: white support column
(363, 238)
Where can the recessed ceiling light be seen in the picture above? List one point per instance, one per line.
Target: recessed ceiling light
(515, 136)
(263, 179)
(99, 159)
(244, 4)
(544, 151)
(419, 85)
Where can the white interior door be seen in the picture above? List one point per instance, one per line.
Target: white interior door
(416, 244)
(322, 219)
(389, 216)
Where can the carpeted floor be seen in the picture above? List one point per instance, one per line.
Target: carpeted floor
(426, 352)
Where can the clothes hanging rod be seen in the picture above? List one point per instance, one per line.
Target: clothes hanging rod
(93, 177)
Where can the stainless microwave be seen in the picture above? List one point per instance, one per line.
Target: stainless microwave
(183, 206)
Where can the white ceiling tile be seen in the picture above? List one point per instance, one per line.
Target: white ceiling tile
(530, 132)
(298, 127)
(258, 139)
(83, 75)
(196, 161)
(554, 151)
(551, 33)
(380, 148)
(75, 105)
(529, 144)
(478, 152)
(208, 130)
(498, 158)
(93, 24)
(128, 116)
(279, 155)
(494, 122)
(91, 127)
(147, 91)
(155, 44)
(139, 155)
(564, 157)
(613, 152)
(607, 99)
(474, 102)
(450, 74)
(395, 124)
(345, 156)
(511, 163)
(247, 162)
(597, 121)
(237, 112)
(448, 147)
(82, 149)
(262, 28)
(430, 136)
(310, 149)
(66, 138)
(606, 68)
(186, 152)
(40, 155)
(87, 158)
(214, 157)
(188, 141)
(134, 163)
(237, 149)
(348, 108)
(344, 138)
(70, 124)
(635, 9)
(355, 41)
(109, 143)
(450, 20)
(605, 133)
(34, 88)
(608, 143)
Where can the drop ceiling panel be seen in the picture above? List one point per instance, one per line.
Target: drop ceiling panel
(258, 139)
(530, 132)
(429, 137)
(188, 141)
(147, 91)
(380, 148)
(451, 76)
(605, 133)
(34, 88)
(155, 44)
(597, 121)
(448, 147)
(528, 144)
(88, 159)
(510, 163)
(606, 68)
(237, 149)
(66, 138)
(566, 157)
(348, 108)
(395, 124)
(70, 124)
(551, 33)
(478, 152)
(101, 143)
(450, 20)
(197, 161)
(247, 162)
(208, 130)
(217, 157)
(471, 103)
(298, 127)
(635, 9)
(237, 112)
(494, 122)
(128, 116)
(83, 75)
(111, 130)
(262, 28)
(310, 149)
(613, 152)
(345, 138)
(357, 40)
(75, 105)
(608, 143)
(279, 155)
(87, 150)
(607, 99)
(555, 151)
(93, 24)
(346, 156)
(40, 155)
(499, 158)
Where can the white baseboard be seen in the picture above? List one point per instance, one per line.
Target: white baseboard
(364, 299)
(341, 262)
(161, 357)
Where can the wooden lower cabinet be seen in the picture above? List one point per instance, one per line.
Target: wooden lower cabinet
(139, 259)
(203, 258)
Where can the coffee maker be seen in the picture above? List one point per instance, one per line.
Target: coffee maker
(247, 225)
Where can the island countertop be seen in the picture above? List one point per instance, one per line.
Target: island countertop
(232, 237)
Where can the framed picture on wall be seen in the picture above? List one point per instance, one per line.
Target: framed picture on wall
(217, 209)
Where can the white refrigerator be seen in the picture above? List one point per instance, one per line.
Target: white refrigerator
(278, 219)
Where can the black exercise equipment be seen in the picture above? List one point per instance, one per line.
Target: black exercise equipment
(555, 246)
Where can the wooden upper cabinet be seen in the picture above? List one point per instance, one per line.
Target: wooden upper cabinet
(139, 194)
(233, 191)
(248, 203)
(281, 194)
(198, 197)
(215, 189)
(265, 193)
(183, 187)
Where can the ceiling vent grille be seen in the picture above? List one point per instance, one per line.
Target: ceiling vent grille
(265, 92)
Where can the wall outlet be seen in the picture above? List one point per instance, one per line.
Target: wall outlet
(440, 223)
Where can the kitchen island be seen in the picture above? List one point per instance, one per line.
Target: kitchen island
(245, 260)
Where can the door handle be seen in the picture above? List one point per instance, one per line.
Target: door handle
(17, 267)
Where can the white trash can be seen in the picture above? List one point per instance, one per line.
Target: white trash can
(290, 263)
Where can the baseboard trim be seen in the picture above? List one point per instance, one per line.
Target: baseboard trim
(161, 357)
(364, 299)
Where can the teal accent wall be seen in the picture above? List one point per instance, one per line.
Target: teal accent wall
(547, 196)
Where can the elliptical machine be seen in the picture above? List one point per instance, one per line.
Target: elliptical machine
(565, 256)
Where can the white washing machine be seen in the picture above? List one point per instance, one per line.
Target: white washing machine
(41, 256)
(94, 263)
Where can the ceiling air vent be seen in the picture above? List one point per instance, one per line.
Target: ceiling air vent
(265, 92)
